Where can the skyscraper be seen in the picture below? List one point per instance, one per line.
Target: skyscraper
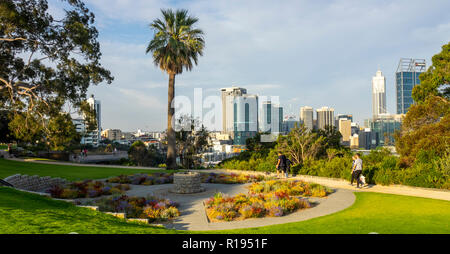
(96, 106)
(271, 117)
(239, 114)
(306, 117)
(406, 77)
(228, 95)
(378, 94)
(92, 137)
(342, 116)
(325, 117)
(345, 128)
(245, 114)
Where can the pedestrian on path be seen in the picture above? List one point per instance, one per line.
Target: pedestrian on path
(10, 150)
(281, 164)
(356, 169)
(288, 168)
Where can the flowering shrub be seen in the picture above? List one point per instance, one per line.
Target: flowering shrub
(143, 179)
(294, 188)
(86, 189)
(151, 208)
(232, 178)
(163, 178)
(241, 206)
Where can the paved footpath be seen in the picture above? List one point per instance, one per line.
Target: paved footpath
(331, 182)
(344, 184)
(193, 216)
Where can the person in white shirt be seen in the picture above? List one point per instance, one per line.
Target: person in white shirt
(356, 170)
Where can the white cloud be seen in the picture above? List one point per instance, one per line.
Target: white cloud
(307, 52)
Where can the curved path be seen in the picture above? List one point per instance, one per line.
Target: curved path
(441, 194)
(330, 182)
(193, 215)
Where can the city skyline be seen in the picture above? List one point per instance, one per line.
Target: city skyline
(250, 50)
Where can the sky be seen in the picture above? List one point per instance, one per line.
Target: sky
(309, 53)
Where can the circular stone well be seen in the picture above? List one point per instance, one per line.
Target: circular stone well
(187, 182)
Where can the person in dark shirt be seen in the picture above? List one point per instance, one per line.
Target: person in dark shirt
(281, 164)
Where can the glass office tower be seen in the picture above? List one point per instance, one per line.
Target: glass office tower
(406, 77)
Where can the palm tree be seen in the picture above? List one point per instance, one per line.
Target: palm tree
(175, 45)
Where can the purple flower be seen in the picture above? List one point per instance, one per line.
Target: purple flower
(219, 217)
(173, 203)
(92, 193)
(123, 205)
(276, 211)
(161, 205)
(136, 180)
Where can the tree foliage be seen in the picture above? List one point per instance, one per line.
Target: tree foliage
(254, 144)
(176, 44)
(426, 126)
(332, 136)
(142, 155)
(5, 133)
(46, 63)
(190, 142)
(436, 80)
(300, 144)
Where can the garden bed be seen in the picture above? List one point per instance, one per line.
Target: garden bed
(86, 189)
(290, 187)
(265, 199)
(164, 178)
(150, 208)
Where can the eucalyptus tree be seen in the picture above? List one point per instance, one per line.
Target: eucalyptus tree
(175, 47)
(46, 63)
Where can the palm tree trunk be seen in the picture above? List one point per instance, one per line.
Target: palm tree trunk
(171, 149)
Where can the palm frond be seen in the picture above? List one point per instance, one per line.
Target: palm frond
(176, 44)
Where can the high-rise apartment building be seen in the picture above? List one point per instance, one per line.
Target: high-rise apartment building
(289, 123)
(92, 138)
(325, 117)
(112, 134)
(245, 114)
(406, 78)
(228, 95)
(306, 117)
(384, 127)
(345, 128)
(239, 114)
(378, 94)
(342, 116)
(96, 106)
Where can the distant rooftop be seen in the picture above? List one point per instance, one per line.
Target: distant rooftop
(411, 65)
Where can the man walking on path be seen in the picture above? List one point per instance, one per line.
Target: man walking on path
(281, 164)
(356, 169)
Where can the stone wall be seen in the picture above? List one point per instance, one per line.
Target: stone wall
(185, 183)
(34, 183)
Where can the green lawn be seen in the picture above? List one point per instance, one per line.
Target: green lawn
(372, 212)
(22, 212)
(25, 213)
(8, 167)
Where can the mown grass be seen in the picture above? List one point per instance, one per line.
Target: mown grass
(25, 213)
(72, 173)
(372, 212)
(22, 212)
